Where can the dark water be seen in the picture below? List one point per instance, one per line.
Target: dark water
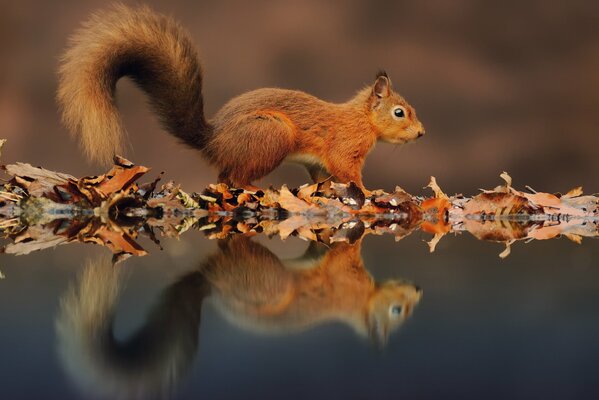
(188, 326)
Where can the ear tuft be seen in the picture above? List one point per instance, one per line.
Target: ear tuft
(382, 85)
(377, 332)
(383, 73)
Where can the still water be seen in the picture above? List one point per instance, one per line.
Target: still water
(265, 318)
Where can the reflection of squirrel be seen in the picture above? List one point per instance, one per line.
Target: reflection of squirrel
(248, 284)
(254, 289)
(250, 136)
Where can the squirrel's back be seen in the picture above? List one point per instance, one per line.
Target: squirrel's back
(151, 49)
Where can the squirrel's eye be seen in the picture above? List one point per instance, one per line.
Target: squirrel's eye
(399, 112)
(396, 310)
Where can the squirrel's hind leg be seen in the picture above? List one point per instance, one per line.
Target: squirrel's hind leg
(318, 173)
(252, 147)
(223, 177)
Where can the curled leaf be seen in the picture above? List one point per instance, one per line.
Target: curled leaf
(436, 188)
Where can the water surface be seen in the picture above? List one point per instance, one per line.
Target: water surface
(521, 327)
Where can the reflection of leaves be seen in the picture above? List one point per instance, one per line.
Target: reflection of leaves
(499, 204)
(506, 215)
(41, 208)
(32, 239)
(115, 240)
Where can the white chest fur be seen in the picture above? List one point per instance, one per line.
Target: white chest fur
(304, 159)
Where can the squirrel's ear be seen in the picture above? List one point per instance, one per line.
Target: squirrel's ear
(382, 86)
(377, 330)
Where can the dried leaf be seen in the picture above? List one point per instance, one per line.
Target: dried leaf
(508, 180)
(121, 179)
(46, 179)
(187, 200)
(33, 239)
(291, 203)
(507, 251)
(436, 188)
(306, 191)
(119, 242)
(349, 194)
(577, 191)
(2, 142)
(306, 233)
(575, 238)
(289, 225)
(432, 244)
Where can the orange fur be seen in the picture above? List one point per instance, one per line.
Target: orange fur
(251, 134)
(257, 290)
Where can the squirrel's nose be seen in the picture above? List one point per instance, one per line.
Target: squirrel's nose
(421, 133)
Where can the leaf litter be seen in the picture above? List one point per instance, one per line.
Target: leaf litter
(40, 209)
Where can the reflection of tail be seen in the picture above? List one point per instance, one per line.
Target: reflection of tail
(147, 364)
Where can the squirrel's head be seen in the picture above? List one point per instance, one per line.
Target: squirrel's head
(392, 116)
(389, 306)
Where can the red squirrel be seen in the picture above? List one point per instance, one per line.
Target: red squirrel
(249, 136)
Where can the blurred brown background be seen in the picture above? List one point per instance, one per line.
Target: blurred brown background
(498, 85)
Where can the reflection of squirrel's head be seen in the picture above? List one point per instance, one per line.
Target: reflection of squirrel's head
(389, 306)
(391, 114)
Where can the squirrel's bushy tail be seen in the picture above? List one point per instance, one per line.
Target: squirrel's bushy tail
(151, 49)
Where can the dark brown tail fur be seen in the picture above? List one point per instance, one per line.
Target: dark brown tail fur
(151, 49)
